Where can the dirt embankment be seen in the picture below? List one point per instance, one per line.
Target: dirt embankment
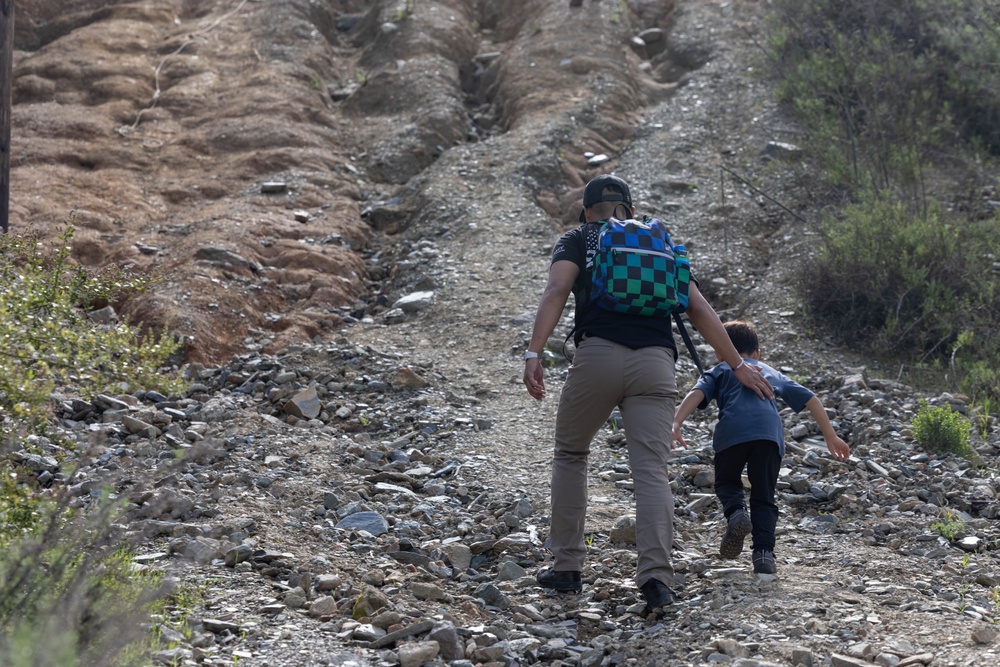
(254, 154)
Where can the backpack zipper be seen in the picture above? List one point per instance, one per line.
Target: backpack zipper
(643, 251)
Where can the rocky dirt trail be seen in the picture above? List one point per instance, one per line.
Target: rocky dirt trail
(357, 476)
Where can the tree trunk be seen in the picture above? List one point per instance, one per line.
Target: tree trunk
(6, 72)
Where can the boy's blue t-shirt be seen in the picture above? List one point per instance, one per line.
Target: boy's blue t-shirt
(743, 415)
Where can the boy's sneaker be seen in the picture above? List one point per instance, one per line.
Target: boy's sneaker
(737, 529)
(657, 594)
(564, 580)
(763, 562)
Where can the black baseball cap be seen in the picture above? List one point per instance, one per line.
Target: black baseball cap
(595, 192)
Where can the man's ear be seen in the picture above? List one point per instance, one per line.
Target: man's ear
(756, 354)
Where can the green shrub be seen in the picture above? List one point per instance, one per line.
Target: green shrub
(885, 86)
(901, 107)
(47, 339)
(918, 285)
(943, 430)
(70, 595)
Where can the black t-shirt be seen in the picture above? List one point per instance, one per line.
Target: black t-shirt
(579, 245)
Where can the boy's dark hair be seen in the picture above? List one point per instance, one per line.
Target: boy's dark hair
(743, 335)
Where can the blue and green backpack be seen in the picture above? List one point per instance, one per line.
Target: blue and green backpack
(638, 271)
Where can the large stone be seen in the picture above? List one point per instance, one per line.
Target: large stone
(623, 530)
(371, 522)
(305, 404)
(416, 654)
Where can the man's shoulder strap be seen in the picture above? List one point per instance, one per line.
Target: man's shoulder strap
(688, 342)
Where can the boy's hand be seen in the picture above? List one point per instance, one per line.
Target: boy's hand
(838, 448)
(675, 436)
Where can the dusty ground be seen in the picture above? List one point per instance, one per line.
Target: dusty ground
(290, 169)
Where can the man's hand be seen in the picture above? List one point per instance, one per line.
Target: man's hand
(533, 378)
(750, 377)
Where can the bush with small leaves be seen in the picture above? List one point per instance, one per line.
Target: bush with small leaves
(943, 430)
(70, 594)
(47, 338)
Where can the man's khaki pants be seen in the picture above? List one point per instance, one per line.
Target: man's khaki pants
(641, 384)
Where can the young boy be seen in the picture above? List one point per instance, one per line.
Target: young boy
(750, 435)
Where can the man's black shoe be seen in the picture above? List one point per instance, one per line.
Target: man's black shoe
(566, 580)
(737, 528)
(657, 594)
(763, 562)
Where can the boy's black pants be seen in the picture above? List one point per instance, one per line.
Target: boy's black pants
(762, 461)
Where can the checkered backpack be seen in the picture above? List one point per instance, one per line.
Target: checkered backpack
(638, 271)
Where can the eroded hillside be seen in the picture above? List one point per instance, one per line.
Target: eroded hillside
(255, 155)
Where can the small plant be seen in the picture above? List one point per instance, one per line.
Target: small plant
(358, 610)
(984, 407)
(620, 12)
(949, 526)
(19, 511)
(405, 12)
(180, 606)
(941, 429)
(963, 591)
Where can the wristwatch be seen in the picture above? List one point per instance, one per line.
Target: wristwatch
(528, 354)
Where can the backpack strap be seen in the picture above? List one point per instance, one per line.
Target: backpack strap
(587, 249)
(688, 342)
(566, 340)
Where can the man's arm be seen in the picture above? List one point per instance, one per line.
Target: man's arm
(562, 275)
(707, 321)
(834, 443)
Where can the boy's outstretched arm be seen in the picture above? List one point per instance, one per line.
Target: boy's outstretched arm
(834, 443)
(684, 410)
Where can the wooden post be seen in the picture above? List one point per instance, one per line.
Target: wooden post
(6, 72)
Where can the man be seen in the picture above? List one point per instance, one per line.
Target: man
(624, 361)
